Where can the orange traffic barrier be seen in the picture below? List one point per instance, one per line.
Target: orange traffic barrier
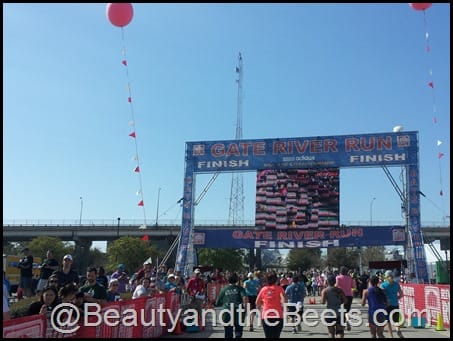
(178, 329)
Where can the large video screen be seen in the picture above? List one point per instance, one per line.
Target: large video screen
(297, 199)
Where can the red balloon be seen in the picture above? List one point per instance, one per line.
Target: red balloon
(120, 14)
(419, 7)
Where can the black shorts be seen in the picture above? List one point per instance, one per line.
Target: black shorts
(396, 315)
(252, 301)
(292, 308)
(348, 303)
(339, 329)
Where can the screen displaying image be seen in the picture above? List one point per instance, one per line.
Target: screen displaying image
(297, 199)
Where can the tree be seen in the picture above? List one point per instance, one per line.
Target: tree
(12, 248)
(228, 259)
(38, 247)
(373, 253)
(339, 256)
(130, 251)
(97, 258)
(302, 259)
(351, 257)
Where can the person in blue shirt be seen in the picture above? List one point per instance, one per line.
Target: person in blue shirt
(394, 292)
(296, 292)
(171, 285)
(251, 286)
(6, 282)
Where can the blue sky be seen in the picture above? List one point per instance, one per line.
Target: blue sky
(309, 70)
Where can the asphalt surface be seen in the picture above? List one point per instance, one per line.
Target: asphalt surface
(212, 331)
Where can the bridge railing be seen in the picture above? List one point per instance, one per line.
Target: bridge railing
(176, 222)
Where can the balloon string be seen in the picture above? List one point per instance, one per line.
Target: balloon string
(434, 107)
(130, 100)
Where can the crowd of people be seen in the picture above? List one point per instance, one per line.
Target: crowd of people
(61, 283)
(270, 292)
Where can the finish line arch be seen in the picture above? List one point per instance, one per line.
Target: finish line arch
(345, 151)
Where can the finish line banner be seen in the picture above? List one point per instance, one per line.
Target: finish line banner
(297, 239)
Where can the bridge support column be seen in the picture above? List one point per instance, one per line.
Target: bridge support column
(81, 255)
(258, 262)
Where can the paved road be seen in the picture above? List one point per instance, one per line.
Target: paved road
(319, 331)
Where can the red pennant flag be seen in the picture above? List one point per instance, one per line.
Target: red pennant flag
(137, 169)
(124, 62)
(132, 134)
(141, 203)
(129, 99)
(441, 154)
(431, 84)
(145, 238)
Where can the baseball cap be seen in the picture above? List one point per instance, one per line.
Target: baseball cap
(197, 271)
(171, 276)
(67, 257)
(121, 266)
(388, 273)
(250, 274)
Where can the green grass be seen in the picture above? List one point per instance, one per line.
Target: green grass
(20, 308)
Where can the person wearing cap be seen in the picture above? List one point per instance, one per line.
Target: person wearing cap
(251, 286)
(146, 269)
(112, 292)
(66, 275)
(26, 273)
(195, 289)
(394, 292)
(170, 284)
(122, 277)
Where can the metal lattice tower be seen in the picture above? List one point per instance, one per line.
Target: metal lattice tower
(236, 212)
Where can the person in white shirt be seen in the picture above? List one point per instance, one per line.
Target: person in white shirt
(142, 289)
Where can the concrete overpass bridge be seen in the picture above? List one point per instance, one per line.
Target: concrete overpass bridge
(84, 232)
(108, 230)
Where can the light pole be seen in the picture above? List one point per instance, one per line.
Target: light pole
(81, 208)
(371, 211)
(157, 211)
(118, 228)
